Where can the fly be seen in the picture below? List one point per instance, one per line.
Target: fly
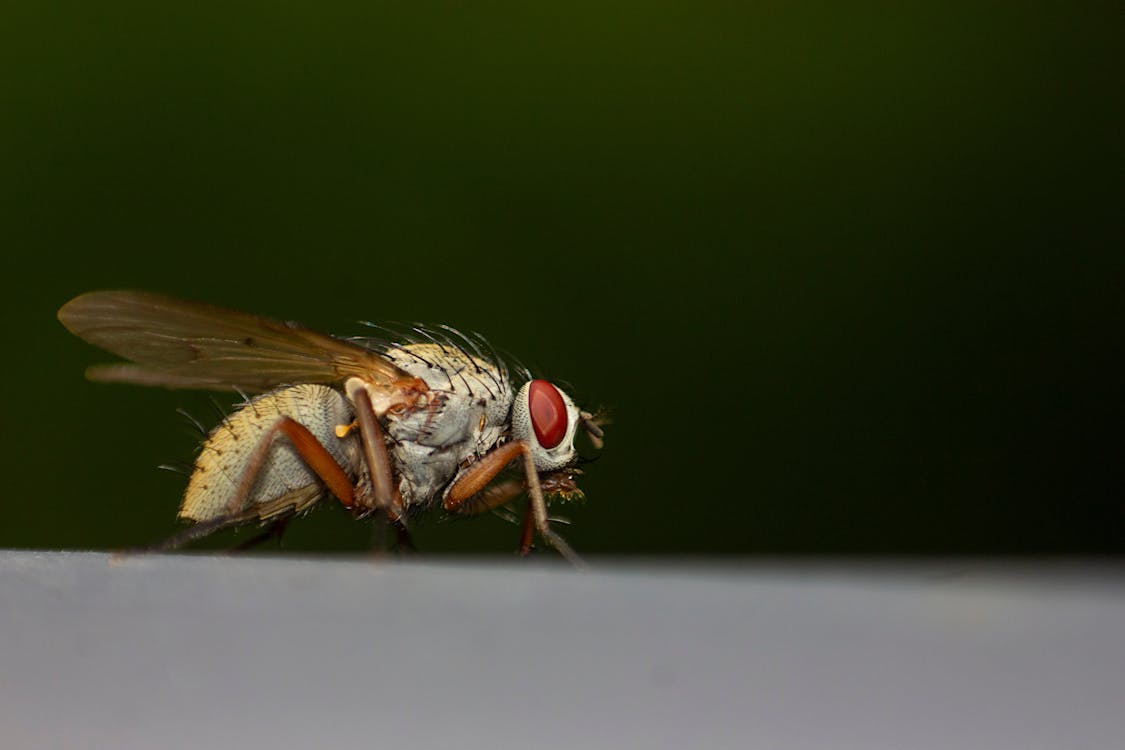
(385, 428)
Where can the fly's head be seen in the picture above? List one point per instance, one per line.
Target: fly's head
(545, 418)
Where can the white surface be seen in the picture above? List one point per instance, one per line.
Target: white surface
(201, 652)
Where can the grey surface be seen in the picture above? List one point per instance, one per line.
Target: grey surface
(172, 652)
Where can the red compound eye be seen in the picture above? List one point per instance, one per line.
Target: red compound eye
(548, 413)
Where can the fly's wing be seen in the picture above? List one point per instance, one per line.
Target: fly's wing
(179, 344)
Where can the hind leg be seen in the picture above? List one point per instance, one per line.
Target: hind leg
(311, 451)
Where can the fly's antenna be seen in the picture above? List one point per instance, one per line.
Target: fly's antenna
(592, 424)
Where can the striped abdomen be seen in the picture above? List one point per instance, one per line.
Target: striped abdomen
(284, 482)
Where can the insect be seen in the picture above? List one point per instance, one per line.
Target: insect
(386, 428)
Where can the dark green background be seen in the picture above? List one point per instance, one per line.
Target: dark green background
(848, 277)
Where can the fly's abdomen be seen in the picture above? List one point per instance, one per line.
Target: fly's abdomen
(284, 483)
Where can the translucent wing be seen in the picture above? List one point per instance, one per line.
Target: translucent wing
(179, 344)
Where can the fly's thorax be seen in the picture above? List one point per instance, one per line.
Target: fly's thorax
(463, 416)
(446, 369)
(284, 481)
(546, 418)
(469, 401)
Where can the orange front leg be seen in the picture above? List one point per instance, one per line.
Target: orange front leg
(479, 475)
(484, 471)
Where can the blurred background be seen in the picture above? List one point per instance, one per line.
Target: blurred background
(847, 277)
